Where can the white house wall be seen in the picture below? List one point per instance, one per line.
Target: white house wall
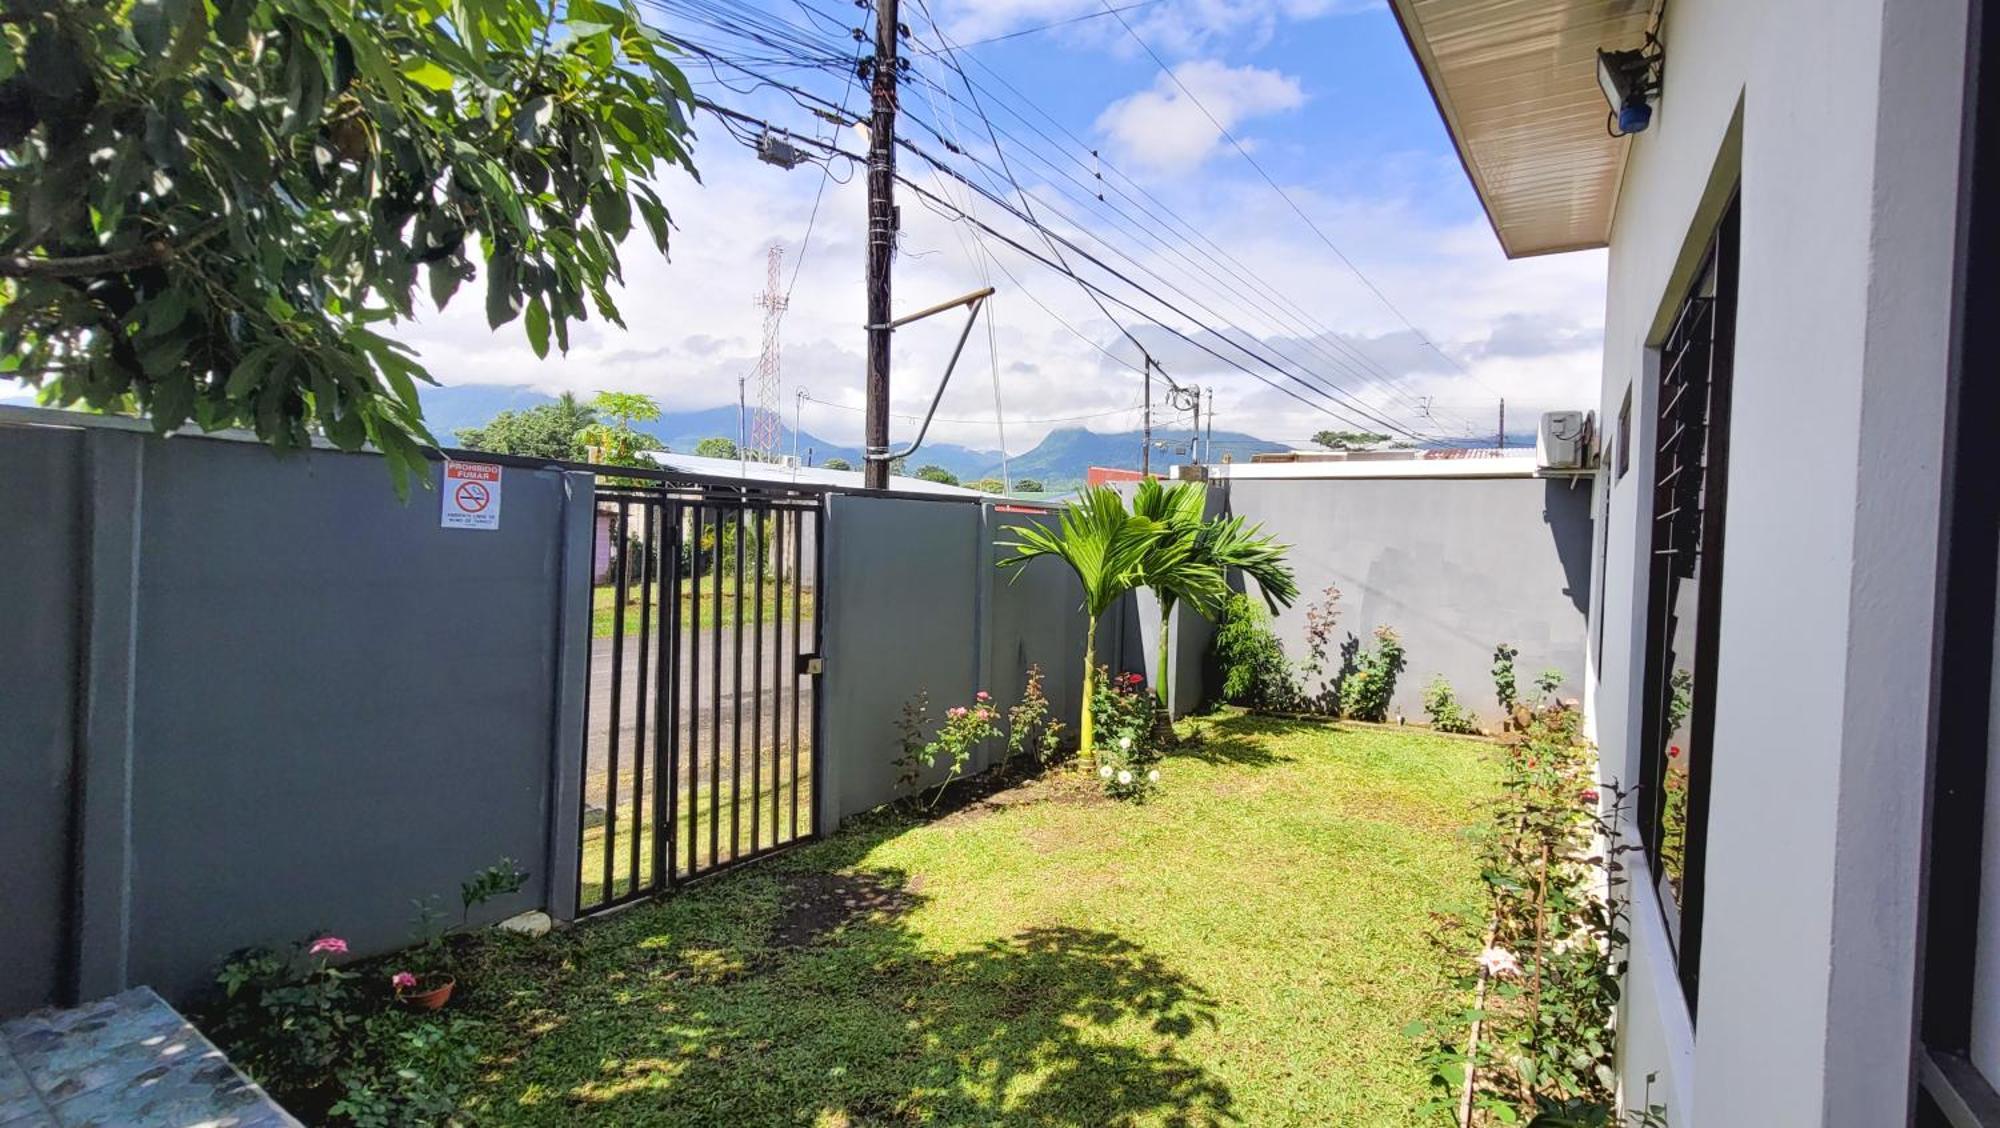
(1848, 161)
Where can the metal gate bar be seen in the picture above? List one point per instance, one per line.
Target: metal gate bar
(707, 555)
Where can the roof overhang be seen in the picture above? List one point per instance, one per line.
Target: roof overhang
(1516, 81)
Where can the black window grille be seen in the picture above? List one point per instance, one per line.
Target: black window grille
(1952, 1090)
(1690, 479)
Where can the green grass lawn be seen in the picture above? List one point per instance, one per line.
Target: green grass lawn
(604, 597)
(1245, 948)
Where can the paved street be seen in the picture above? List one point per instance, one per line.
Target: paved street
(761, 701)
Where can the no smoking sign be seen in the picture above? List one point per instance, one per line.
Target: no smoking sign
(471, 496)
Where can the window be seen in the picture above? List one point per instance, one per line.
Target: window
(1690, 479)
(1623, 454)
(1958, 1072)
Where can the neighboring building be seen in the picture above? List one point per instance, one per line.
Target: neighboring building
(1097, 476)
(726, 470)
(790, 474)
(1798, 376)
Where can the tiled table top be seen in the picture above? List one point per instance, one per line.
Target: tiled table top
(129, 1060)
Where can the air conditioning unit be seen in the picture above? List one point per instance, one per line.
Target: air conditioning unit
(1562, 442)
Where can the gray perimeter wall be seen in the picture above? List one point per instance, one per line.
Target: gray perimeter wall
(1455, 565)
(41, 536)
(900, 575)
(282, 701)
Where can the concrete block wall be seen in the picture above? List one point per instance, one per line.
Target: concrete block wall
(253, 696)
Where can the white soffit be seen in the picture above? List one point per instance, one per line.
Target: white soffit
(1516, 81)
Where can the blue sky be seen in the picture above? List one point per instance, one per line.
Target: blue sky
(1323, 93)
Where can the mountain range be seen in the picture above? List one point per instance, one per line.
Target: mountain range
(1059, 461)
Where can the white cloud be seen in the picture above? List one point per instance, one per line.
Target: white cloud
(1173, 126)
(1528, 330)
(1174, 27)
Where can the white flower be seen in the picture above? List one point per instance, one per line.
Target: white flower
(1124, 744)
(1124, 776)
(1105, 771)
(1154, 775)
(1499, 961)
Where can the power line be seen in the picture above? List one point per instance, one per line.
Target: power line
(1284, 195)
(804, 97)
(1006, 167)
(1156, 273)
(1097, 293)
(1330, 393)
(1345, 414)
(763, 28)
(1319, 337)
(968, 45)
(982, 422)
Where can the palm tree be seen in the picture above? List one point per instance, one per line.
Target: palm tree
(1104, 545)
(1182, 562)
(1173, 568)
(617, 443)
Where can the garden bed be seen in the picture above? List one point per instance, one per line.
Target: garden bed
(1248, 945)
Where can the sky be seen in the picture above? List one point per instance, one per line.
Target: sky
(1389, 299)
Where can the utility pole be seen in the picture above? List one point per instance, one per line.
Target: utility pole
(1208, 444)
(798, 423)
(1146, 443)
(1503, 423)
(881, 241)
(1194, 437)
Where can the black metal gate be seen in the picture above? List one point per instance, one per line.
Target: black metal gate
(704, 677)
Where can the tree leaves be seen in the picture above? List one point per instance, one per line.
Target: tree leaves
(426, 74)
(538, 325)
(223, 209)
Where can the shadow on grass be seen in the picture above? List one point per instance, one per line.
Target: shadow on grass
(1241, 739)
(723, 1006)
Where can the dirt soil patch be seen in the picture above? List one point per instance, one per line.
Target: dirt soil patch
(819, 903)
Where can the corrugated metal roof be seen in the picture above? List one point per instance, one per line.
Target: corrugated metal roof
(782, 474)
(1516, 81)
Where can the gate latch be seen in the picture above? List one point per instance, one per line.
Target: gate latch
(811, 664)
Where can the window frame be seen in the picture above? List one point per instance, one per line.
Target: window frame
(1950, 1089)
(1683, 915)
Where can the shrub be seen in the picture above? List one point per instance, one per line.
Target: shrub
(1322, 615)
(306, 1031)
(965, 728)
(1446, 714)
(1126, 714)
(1505, 690)
(1547, 982)
(407, 1067)
(1546, 683)
(287, 1015)
(1251, 659)
(1121, 707)
(1365, 694)
(1031, 725)
(912, 725)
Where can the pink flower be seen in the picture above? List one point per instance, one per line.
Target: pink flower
(1673, 751)
(955, 712)
(327, 946)
(982, 695)
(403, 981)
(1590, 795)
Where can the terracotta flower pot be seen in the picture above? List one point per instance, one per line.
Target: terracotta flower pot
(430, 995)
